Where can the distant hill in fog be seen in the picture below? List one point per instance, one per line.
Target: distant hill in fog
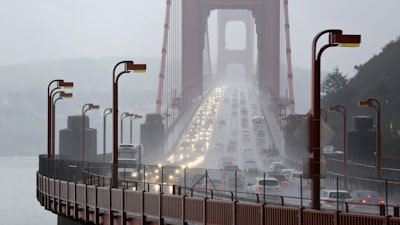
(23, 97)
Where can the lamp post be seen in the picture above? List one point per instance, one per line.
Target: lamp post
(88, 106)
(129, 66)
(105, 113)
(336, 38)
(60, 83)
(374, 103)
(135, 116)
(342, 110)
(61, 95)
(124, 115)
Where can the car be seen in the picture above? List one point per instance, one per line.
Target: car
(296, 179)
(250, 166)
(218, 146)
(269, 185)
(287, 172)
(246, 149)
(276, 167)
(367, 197)
(260, 135)
(223, 160)
(233, 178)
(204, 135)
(229, 167)
(184, 146)
(335, 199)
(213, 183)
(232, 146)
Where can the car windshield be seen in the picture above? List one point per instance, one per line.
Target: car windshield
(231, 167)
(341, 195)
(367, 195)
(297, 175)
(268, 182)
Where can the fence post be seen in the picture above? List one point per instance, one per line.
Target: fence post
(396, 211)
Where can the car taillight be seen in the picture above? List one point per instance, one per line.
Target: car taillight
(258, 188)
(324, 182)
(221, 186)
(381, 202)
(279, 188)
(363, 201)
(284, 182)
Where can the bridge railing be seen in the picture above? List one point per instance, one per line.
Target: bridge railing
(199, 182)
(105, 205)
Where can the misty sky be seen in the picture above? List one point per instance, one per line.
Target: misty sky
(48, 29)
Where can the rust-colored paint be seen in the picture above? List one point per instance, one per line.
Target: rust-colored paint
(105, 210)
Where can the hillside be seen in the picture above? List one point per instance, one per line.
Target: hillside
(379, 78)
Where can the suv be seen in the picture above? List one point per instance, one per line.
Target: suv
(229, 167)
(335, 199)
(269, 184)
(296, 179)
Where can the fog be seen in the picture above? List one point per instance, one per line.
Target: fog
(38, 35)
(45, 29)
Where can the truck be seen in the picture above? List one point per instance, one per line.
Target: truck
(129, 162)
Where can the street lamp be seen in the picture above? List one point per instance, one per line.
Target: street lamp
(89, 106)
(342, 110)
(61, 95)
(377, 106)
(135, 116)
(336, 38)
(129, 66)
(60, 83)
(105, 113)
(124, 115)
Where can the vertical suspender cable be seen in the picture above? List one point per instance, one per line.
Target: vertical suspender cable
(163, 58)
(289, 58)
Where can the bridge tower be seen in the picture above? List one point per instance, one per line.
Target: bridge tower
(227, 56)
(266, 15)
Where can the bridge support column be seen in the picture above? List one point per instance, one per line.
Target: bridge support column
(62, 220)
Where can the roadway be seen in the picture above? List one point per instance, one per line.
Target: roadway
(222, 130)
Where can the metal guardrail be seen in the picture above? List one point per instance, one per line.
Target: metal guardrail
(105, 205)
(184, 184)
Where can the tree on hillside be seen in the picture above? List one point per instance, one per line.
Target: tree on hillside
(333, 82)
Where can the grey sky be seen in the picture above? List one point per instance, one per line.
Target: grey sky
(48, 29)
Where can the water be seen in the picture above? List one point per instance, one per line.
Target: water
(18, 204)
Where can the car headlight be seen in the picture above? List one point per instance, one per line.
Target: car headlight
(134, 174)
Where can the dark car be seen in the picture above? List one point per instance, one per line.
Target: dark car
(231, 179)
(367, 201)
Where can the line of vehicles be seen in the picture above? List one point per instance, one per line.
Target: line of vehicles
(235, 146)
